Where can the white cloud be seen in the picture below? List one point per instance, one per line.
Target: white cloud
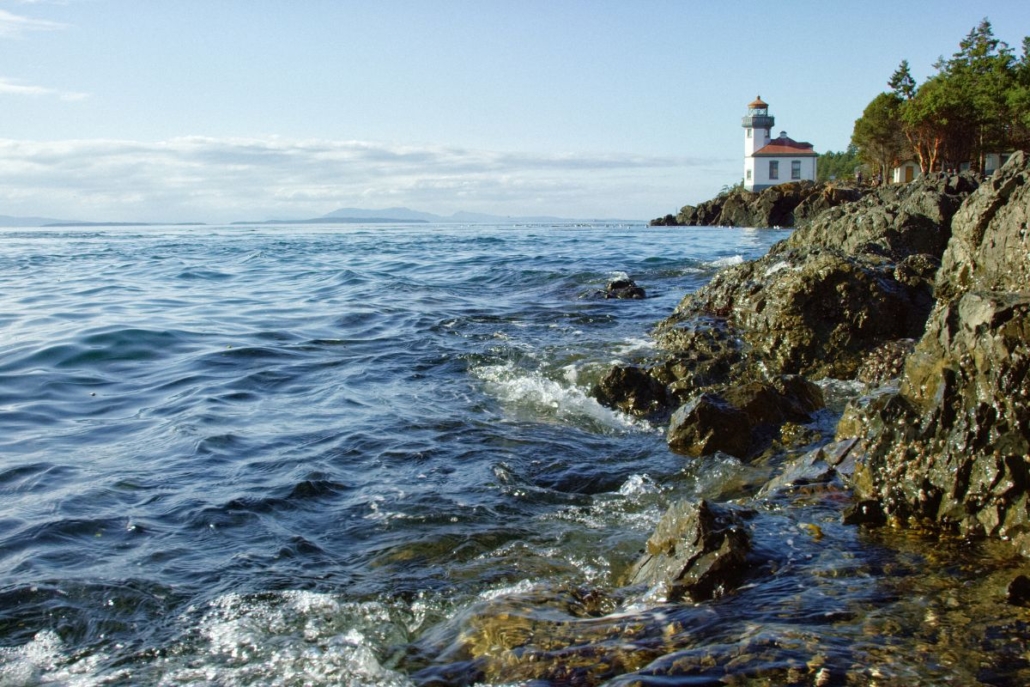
(14, 25)
(13, 87)
(211, 179)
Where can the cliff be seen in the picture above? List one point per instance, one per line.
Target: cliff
(950, 445)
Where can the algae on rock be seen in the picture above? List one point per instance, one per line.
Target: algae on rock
(951, 447)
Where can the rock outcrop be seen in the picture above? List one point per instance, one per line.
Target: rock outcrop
(786, 205)
(841, 298)
(856, 277)
(950, 446)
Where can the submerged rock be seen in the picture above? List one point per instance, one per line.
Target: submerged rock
(624, 289)
(818, 466)
(698, 551)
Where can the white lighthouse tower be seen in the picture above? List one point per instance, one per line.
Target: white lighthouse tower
(758, 124)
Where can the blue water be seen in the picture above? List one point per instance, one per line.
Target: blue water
(238, 455)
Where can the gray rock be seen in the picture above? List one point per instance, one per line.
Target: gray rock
(818, 466)
(697, 551)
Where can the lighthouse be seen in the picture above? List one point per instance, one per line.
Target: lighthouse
(758, 124)
(770, 161)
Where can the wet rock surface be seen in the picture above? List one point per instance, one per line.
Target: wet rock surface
(844, 297)
(624, 289)
(950, 446)
(698, 551)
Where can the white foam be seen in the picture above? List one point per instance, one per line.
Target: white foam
(521, 587)
(526, 392)
(778, 267)
(634, 346)
(639, 485)
(45, 660)
(728, 261)
(293, 637)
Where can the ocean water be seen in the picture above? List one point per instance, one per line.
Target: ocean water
(314, 455)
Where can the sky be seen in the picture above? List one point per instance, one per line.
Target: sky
(224, 110)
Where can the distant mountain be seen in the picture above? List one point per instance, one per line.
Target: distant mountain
(389, 214)
(409, 215)
(9, 221)
(335, 220)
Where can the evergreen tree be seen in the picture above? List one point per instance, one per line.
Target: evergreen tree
(977, 103)
(879, 135)
(982, 75)
(840, 165)
(901, 82)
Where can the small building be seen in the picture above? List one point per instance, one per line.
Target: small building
(909, 170)
(905, 172)
(770, 161)
(995, 161)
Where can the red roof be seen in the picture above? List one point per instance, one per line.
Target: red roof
(785, 146)
(757, 103)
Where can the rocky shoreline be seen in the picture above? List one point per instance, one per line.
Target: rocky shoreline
(787, 205)
(921, 294)
(830, 555)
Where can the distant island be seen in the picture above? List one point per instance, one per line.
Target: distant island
(332, 220)
(407, 215)
(395, 215)
(59, 224)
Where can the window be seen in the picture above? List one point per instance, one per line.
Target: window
(749, 133)
(795, 169)
(749, 175)
(774, 169)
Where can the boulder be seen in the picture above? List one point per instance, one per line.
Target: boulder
(742, 420)
(708, 423)
(632, 390)
(698, 551)
(788, 398)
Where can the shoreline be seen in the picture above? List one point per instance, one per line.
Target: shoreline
(918, 292)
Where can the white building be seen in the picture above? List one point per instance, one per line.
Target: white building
(909, 170)
(770, 161)
(905, 172)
